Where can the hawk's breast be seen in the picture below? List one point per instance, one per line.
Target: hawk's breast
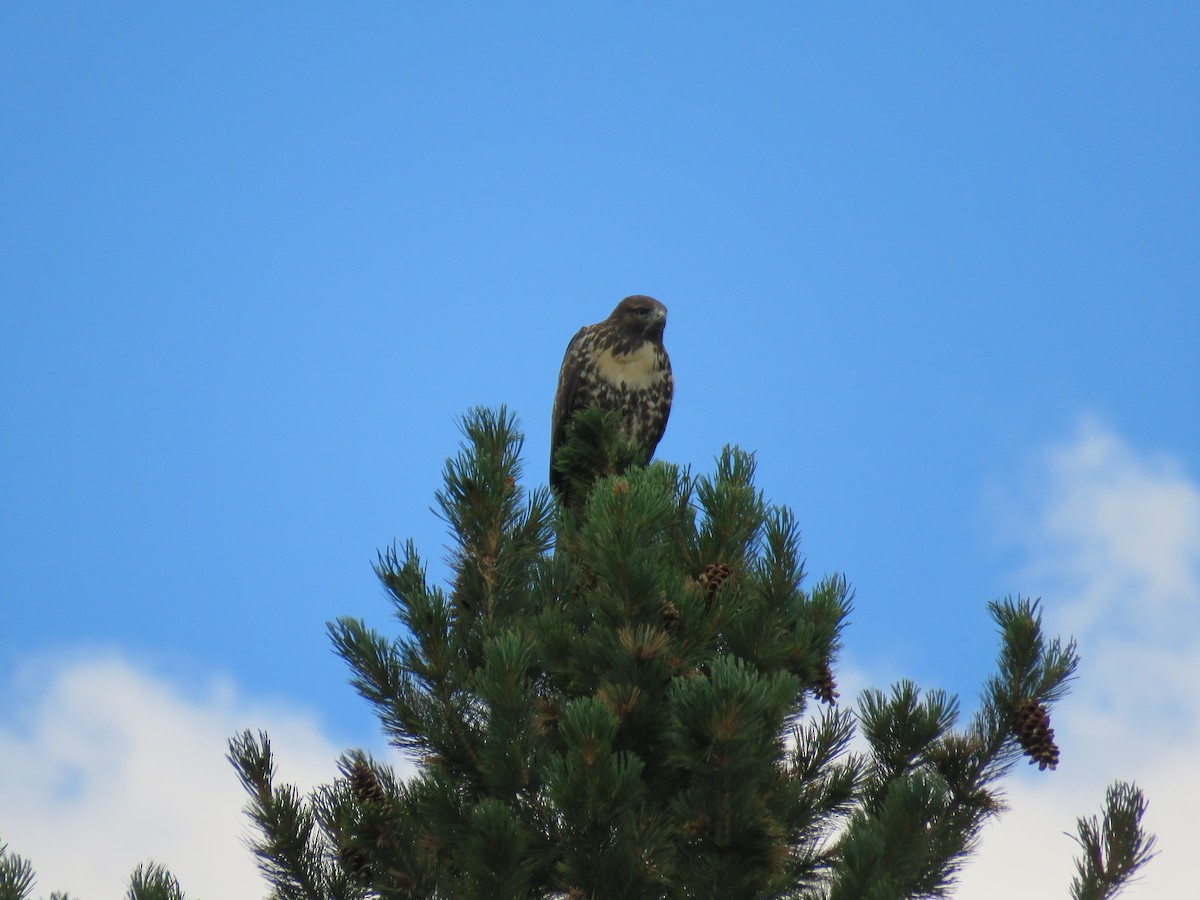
(635, 371)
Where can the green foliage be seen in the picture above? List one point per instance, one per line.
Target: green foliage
(148, 882)
(153, 882)
(930, 787)
(621, 715)
(595, 447)
(1030, 667)
(16, 876)
(292, 850)
(1114, 849)
(612, 699)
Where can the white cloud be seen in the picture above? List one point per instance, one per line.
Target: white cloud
(1112, 540)
(104, 765)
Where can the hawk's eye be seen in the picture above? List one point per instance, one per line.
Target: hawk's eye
(643, 312)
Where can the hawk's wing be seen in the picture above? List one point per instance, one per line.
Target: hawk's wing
(564, 396)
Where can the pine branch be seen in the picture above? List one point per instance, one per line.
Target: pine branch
(16, 876)
(153, 882)
(381, 680)
(819, 745)
(903, 847)
(498, 535)
(909, 833)
(781, 566)
(595, 447)
(149, 881)
(932, 787)
(1033, 674)
(599, 793)
(828, 783)
(733, 513)
(902, 729)
(380, 837)
(417, 684)
(1114, 849)
(290, 851)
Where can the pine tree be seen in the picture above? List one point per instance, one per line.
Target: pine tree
(635, 698)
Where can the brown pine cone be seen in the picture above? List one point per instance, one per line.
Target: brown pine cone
(364, 783)
(713, 576)
(826, 688)
(1031, 726)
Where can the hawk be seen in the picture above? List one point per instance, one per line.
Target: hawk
(618, 364)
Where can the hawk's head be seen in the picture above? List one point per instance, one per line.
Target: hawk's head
(640, 316)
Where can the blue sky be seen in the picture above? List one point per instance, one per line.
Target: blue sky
(937, 267)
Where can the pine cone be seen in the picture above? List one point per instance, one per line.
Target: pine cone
(669, 613)
(364, 784)
(713, 576)
(826, 688)
(1031, 726)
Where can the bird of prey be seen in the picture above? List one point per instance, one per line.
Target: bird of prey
(618, 364)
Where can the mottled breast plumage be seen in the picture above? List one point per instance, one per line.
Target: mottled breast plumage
(618, 364)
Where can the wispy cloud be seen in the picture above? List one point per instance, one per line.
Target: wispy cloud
(1111, 539)
(104, 764)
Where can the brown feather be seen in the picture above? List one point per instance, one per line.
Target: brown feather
(618, 364)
